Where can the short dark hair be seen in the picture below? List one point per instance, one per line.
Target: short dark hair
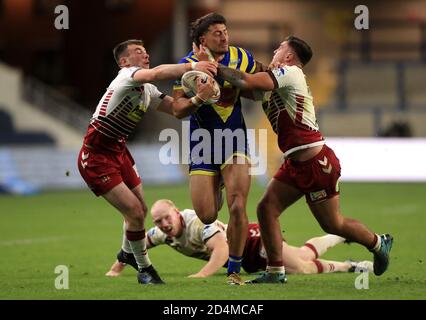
(302, 49)
(121, 48)
(200, 26)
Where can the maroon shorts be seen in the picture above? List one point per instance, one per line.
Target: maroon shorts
(317, 178)
(102, 171)
(252, 261)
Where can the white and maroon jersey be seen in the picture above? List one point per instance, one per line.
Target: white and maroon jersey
(123, 105)
(290, 110)
(192, 242)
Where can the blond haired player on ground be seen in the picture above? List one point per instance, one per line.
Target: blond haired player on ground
(184, 232)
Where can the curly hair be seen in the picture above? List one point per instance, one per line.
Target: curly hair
(200, 26)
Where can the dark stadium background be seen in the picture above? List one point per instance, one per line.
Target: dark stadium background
(370, 93)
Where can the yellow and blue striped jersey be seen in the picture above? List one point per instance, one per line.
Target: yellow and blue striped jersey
(226, 113)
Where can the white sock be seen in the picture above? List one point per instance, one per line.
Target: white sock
(125, 245)
(322, 244)
(332, 266)
(378, 244)
(280, 269)
(137, 242)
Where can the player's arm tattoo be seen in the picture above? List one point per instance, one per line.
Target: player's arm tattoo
(235, 77)
(260, 67)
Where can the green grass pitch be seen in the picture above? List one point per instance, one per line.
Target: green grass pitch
(83, 232)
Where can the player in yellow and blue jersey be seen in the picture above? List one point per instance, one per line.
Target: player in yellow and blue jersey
(222, 123)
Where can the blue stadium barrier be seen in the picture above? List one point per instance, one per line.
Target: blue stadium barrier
(10, 182)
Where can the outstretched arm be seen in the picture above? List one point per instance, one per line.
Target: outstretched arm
(245, 81)
(219, 256)
(173, 71)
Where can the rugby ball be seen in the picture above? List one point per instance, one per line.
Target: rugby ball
(189, 85)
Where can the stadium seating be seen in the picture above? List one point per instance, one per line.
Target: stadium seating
(414, 119)
(334, 123)
(371, 85)
(415, 85)
(379, 97)
(10, 136)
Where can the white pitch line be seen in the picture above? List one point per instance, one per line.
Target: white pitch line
(401, 209)
(30, 241)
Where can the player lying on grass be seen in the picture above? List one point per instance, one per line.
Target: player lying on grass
(184, 232)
